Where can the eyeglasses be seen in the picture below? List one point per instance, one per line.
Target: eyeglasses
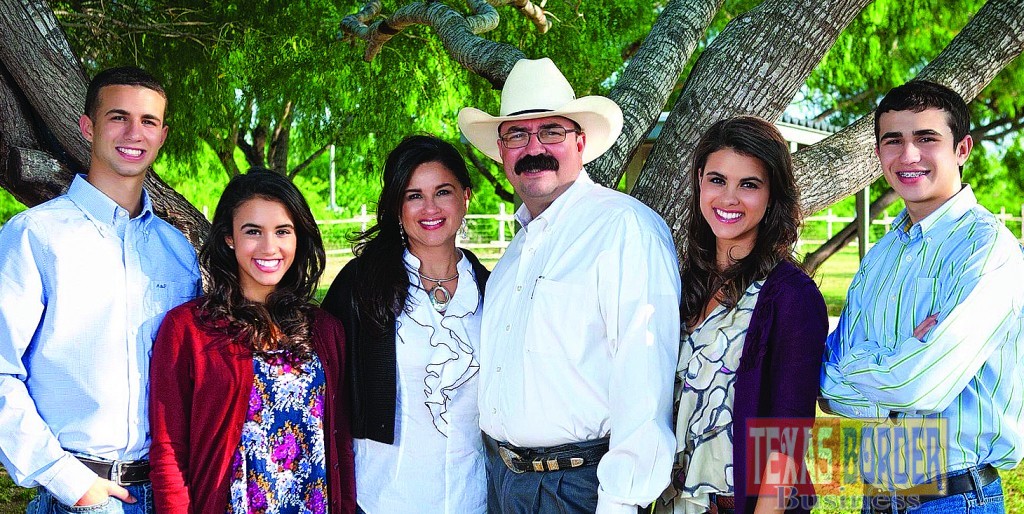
(546, 136)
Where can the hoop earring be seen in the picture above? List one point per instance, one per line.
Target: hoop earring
(463, 230)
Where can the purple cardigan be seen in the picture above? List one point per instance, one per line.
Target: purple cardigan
(778, 375)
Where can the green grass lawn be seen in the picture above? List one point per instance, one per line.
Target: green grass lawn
(833, 278)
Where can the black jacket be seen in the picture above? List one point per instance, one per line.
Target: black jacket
(371, 363)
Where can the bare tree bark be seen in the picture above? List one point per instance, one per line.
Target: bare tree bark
(755, 66)
(35, 52)
(652, 72)
(458, 34)
(44, 72)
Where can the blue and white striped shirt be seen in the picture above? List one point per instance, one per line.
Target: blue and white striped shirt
(963, 264)
(83, 289)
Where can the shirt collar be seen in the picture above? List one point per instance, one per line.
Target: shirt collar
(100, 207)
(577, 190)
(940, 220)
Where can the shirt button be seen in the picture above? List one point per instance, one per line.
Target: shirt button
(519, 288)
(910, 258)
(495, 411)
(499, 369)
(508, 328)
(893, 298)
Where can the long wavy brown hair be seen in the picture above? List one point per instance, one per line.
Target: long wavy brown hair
(282, 325)
(776, 235)
(383, 283)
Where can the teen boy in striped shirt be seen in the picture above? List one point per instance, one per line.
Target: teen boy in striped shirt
(933, 322)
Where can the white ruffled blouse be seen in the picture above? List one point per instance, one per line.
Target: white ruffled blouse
(436, 464)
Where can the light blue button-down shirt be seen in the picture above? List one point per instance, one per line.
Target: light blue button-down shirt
(963, 264)
(83, 289)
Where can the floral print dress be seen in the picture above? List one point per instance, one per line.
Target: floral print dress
(279, 466)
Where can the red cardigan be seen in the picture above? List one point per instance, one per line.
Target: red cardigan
(198, 398)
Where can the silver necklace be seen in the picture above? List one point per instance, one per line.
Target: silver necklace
(439, 304)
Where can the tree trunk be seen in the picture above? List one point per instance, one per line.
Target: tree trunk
(39, 131)
(755, 66)
(652, 73)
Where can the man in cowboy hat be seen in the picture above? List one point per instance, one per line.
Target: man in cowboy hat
(580, 330)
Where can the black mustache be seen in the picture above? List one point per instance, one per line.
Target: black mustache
(536, 162)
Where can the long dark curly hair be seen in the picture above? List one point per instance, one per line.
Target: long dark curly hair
(776, 234)
(383, 283)
(283, 323)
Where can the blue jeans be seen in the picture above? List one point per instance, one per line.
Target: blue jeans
(568, 491)
(989, 502)
(45, 503)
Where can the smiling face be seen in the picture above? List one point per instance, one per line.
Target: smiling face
(264, 239)
(433, 206)
(127, 132)
(920, 158)
(734, 194)
(539, 172)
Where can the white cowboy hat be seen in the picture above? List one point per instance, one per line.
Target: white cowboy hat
(536, 89)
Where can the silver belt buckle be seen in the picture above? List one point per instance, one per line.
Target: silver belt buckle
(115, 472)
(507, 456)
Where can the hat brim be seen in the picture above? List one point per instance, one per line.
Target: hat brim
(599, 117)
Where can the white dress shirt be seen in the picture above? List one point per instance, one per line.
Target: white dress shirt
(580, 338)
(436, 464)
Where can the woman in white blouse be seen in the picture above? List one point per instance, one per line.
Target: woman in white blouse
(411, 303)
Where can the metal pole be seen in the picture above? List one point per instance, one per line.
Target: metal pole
(863, 201)
(334, 180)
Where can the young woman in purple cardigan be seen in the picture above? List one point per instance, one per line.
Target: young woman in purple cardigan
(247, 401)
(754, 326)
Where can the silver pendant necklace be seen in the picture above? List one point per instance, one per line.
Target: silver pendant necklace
(439, 296)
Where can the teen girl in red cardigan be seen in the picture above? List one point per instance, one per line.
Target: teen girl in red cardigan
(246, 405)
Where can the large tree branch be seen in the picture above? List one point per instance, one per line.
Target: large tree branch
(280, 141)
(755, 66)
(649, 78)
(37, 56)
(309, 160)
(996, 130)
(845, 236)
(845, 162)
(457, 33)
(484, 168)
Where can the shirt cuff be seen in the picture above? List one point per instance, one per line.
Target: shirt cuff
(606, 505)
(71, 480)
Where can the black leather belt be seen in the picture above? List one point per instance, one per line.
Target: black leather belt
(956, 484)
(121, 472)
(555, 458)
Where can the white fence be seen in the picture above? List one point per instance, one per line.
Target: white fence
(494, 231)
(835, 223)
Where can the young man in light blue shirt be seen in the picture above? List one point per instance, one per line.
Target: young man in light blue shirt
(85, 280)
(933, 322)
